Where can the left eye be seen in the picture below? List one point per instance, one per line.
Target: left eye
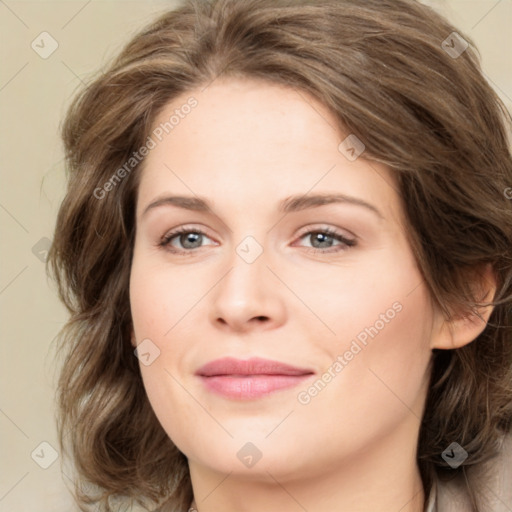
(192, 239)
(325, 238)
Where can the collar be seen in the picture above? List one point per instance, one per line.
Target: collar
(431, 505)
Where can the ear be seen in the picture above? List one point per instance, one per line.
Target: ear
(460, 330)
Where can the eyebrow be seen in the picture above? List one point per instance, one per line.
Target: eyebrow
(287, 205)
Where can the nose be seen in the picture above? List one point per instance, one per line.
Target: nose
(248, 297)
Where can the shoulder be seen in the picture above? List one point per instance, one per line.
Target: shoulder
(494, 481)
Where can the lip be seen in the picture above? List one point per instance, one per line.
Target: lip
(253, 366)
(250, 379)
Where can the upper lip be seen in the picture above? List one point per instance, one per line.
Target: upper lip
(253, 366)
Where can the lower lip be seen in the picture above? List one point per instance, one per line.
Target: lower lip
(251, 386)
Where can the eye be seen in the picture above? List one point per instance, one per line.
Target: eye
(189, 239)
(322, 239)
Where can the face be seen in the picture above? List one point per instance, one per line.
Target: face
(266, 271)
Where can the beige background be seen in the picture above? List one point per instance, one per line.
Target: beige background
(33, 95)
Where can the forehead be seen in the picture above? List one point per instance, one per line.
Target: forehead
(236, 118)
(255, 142)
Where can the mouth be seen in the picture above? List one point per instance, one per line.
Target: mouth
(250, 379)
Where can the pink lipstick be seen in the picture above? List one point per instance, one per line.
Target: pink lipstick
(250, 379)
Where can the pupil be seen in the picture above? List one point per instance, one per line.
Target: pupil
(323, 236)
(189, 238)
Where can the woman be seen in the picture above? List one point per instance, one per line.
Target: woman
(294, 214)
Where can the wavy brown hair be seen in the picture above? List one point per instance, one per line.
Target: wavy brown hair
(382, 68)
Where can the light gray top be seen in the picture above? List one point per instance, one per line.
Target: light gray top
(495, 478)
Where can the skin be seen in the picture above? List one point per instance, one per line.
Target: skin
(245, 147)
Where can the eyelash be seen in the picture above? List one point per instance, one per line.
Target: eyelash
(347, 242)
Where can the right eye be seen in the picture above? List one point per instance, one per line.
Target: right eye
(190, 240)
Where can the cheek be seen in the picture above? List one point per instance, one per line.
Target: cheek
(380, 362)
(372, 387)
(382, 319)
(379, 297)
(397, 352)
(163, 301)
(160, 298)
